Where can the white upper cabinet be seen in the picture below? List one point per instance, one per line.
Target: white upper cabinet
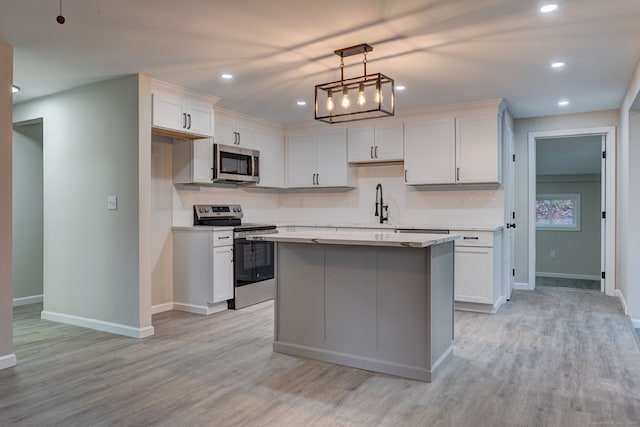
(478, 149)
(382, 142)
(270, 143)
(234, 131)
(193, 161)
(429, 151)
(318, 159)
(454, 148)
(181, 114)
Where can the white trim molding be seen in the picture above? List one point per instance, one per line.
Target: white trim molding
(522, 286)
(609, 245)
(568, 276)
(625, 308)
(8, 361)
(98, 325)
(200, 309)
(33, 299)
(161, 308)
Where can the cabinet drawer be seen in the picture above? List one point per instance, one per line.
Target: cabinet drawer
(474, 238)
(222, 238)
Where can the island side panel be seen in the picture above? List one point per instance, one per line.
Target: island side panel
(300, 294)
(442, 303)
(403, 312)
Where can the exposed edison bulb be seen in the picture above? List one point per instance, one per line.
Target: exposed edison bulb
(346, 102)
(362, 100)
(378, 93)
(329, 104)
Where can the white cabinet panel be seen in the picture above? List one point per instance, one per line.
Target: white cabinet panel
(478, 271)
(234, 131)
(301, 164)
(271, 147)
(478, 149)
(193, 161)
(181, 114)
(331, 163)
(222, 285)
(429, 151)
(376, 143)
(318, 160)
(474, 274)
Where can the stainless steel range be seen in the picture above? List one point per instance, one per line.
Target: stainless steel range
(253, 260)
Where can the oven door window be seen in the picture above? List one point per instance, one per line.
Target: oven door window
(236, 164)
(253, 261)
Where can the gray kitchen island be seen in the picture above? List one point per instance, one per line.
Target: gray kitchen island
(378, 301)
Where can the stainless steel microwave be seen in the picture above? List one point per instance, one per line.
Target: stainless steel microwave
(235, 164)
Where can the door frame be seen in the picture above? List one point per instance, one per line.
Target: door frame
(609, 245)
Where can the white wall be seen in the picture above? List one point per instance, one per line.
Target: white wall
(27, 212)
(522, 128)
(571, 252)
(629, 199)
(7, 358)
(91, 255)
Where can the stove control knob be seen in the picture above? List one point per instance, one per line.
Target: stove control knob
(206, 210)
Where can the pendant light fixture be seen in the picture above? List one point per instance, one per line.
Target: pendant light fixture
(374, 93)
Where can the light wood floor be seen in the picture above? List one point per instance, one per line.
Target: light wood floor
(551, 357)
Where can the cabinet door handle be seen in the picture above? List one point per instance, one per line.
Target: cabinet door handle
(317, 179)
(457, 174)
(405, 175)
(184, 120)
(470, 238)
(375, 152)
(239, 138)
(223, 237)
(313, 179)
(189, 117)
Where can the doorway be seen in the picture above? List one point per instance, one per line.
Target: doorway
(27, 212)
(567, 204)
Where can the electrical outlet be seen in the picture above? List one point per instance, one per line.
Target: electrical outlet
(552, 254)
(112, 203)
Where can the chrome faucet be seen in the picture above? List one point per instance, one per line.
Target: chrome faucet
(383, 208)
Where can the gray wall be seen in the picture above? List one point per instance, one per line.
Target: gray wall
(522, 127)
(6, 298)
(27, 210)
(91, 150)
(571, 252)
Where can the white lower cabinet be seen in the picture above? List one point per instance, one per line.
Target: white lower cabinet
(478, 274)
(202, 270)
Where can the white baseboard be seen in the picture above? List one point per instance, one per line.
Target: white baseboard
(200, 309)
(33, 299)
(480, 308)
(161, 308)
(567, 276)
(99, 325)
(8, 361)
(521, 286)
(623, 302)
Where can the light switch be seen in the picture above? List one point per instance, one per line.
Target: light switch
(112, 203)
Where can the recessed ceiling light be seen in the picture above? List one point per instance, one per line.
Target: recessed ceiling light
(301, 103)
(15, 89)
(548, 8)
(563, 103)
(400, 87)
(227, 76)
(557, 64)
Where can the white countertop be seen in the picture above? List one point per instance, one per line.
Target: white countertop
(393, 226)
(360, 238)
(204, 228)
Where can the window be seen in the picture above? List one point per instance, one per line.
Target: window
(558, 212)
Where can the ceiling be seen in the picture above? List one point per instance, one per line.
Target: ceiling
(577, 155)
(443, 51)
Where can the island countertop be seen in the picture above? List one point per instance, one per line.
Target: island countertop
(359, 238)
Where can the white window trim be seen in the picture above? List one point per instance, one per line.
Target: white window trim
(576, 211)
